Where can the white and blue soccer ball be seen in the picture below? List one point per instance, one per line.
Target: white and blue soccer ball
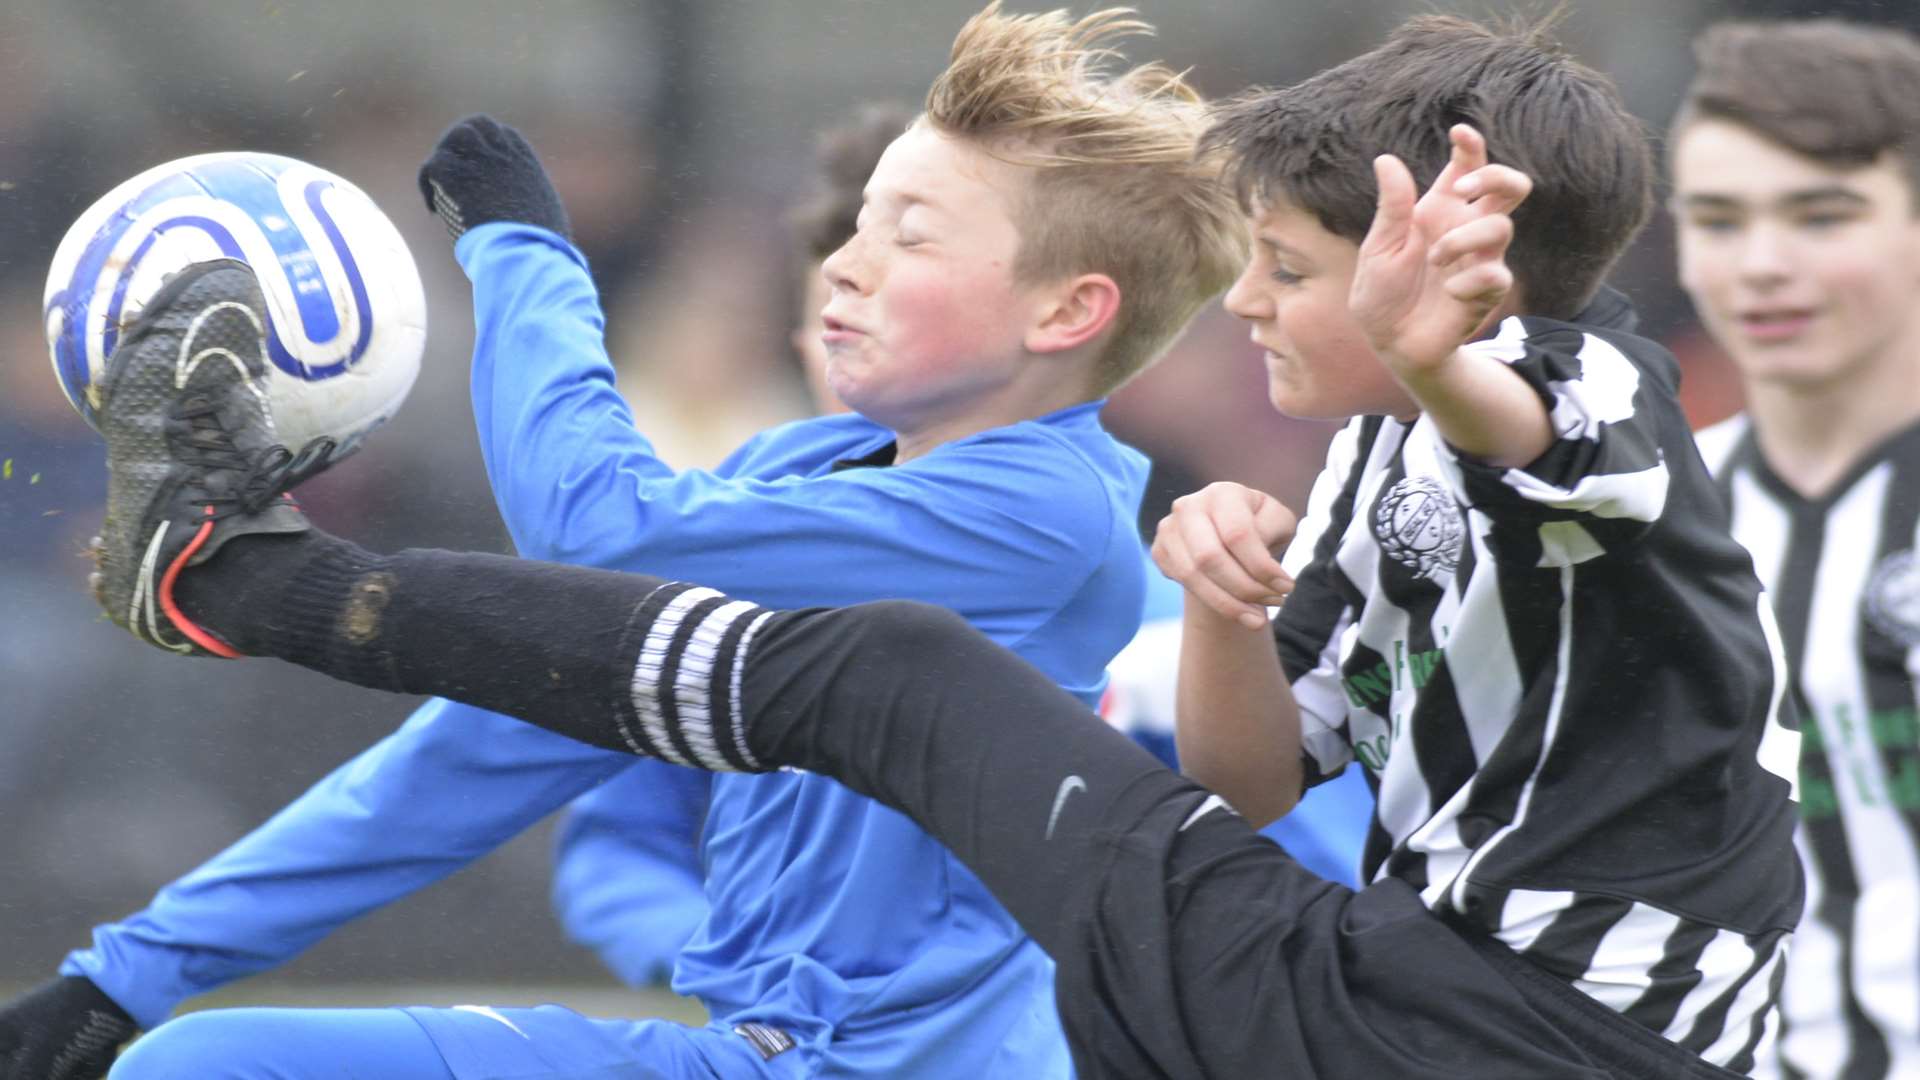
(347, 318)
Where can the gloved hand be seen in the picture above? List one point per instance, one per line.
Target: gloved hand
(65, 1029)
(481, 171)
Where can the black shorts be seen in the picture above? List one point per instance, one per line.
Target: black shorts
(1188, 946)
(1211, 948)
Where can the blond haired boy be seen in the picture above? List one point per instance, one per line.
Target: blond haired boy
(1039, 234)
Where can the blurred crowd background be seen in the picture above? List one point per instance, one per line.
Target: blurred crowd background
(679, 132)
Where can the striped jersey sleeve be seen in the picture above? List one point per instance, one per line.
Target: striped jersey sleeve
(1603, 481)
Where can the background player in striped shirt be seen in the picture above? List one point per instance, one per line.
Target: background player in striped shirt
(1599, 772)
(1796, 167)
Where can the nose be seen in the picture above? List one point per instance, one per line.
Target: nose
(1246, 299)
(847, 269)
(1764, 257)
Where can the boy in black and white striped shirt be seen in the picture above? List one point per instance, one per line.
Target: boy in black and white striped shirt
(1525, 607)
(1796, 163)
(1516, 603)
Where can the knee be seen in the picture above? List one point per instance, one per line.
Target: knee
(911, 630)
(198, 1046)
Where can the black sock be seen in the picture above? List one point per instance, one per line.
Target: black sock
(622, 661)
(282, 595)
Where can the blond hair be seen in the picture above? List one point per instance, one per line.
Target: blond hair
(1116, 187)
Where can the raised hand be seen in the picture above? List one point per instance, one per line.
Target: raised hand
(482, 171)
(1432, 267)
(1219, 543)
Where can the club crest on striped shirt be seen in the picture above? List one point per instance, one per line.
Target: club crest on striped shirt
(1418, 526)
(1892, 599)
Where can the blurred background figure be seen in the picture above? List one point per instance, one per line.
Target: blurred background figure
(680, 133)
(1795, 161)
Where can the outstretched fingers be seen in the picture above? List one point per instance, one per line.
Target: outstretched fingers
(1471, 261)
(1479, 239)
(1468, 156)
(1393, 212)
(1470, 175)
(1494, 189)
(1482, 284)
(1433, 264)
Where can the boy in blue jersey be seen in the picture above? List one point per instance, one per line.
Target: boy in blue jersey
(627, 878)
(1188, 945)
(977, 318)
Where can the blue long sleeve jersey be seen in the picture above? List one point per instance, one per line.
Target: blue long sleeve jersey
(627, 876)
(831, 917)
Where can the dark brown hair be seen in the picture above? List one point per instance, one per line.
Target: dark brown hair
(1843, 92)
(845, 156)
(1562, 123)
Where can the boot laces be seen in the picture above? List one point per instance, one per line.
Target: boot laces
(265, 473)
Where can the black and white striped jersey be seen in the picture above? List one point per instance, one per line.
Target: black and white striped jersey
(1559, 680)
(1845, 582)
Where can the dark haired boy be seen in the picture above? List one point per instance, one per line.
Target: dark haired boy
(1590, 788)
(1516, 606)
(1795, 156)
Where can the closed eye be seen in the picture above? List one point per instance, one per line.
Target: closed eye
(1824, 219)
(1715, 225)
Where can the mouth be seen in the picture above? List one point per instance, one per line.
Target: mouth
(835, 331)
(1775, 324)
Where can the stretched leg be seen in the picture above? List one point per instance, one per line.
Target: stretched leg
(903, 702)
(1187, 945)
(203, 553)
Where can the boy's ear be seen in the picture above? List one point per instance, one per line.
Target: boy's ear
(1074, 313)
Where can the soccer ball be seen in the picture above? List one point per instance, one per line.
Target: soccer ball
(346, 316)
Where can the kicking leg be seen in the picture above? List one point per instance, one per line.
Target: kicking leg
(1187, 944)
(203, 553)
(903, 702)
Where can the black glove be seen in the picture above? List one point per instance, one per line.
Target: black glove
(483, 171)
(65, 1029)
